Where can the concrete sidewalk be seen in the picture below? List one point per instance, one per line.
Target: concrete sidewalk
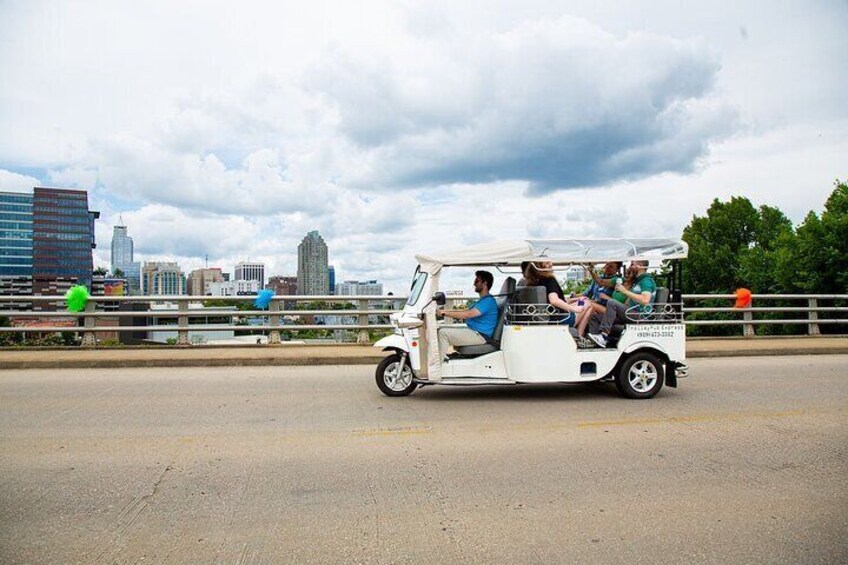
(211, 356)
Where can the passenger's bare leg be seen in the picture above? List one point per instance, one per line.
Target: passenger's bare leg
(583, 318)
(578, 319)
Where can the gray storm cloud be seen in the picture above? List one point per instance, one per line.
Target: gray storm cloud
(557, 103)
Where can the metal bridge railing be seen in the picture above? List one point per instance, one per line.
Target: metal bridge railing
(273, 320)
(369, 313)
(749, 319)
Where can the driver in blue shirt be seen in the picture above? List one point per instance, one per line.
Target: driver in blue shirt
(480, 319)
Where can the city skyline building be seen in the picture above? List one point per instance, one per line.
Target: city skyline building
(15, 248)
(15, 234)
(162, 278)
(312, 265)
(46, 241)
(233, 288)
(331, 275)
(200, 279)
(283, 285)
(132, 274)
(63, 238)
(250, 271)
(123, 258)
(576, 273)
(360, 288)
(122, 247)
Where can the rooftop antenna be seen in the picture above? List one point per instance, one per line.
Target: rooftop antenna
(207, 260)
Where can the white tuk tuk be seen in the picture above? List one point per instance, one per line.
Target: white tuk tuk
(527, 345)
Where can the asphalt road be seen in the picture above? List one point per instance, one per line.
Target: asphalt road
(746, 462)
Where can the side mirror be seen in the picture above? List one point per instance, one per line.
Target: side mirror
(440, 299)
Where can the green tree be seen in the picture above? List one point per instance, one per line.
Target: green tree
(737, 245)
(224, 303)
(816, 259)
(758, 263)
(717, 243)
(835, 226)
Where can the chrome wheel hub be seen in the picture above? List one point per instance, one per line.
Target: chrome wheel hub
(643, 376)
(396, 379)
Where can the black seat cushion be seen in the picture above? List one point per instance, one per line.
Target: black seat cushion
(475, 350)
(615, 335)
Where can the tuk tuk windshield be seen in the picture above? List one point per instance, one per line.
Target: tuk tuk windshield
(417, 285)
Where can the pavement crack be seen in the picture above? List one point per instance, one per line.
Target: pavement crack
(156, 483)
(127, 518)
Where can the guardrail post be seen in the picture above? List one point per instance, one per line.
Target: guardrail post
(813, 328)
(363, 321)
(182, 322)
(274, 335)
(88, 337)
(748, 329)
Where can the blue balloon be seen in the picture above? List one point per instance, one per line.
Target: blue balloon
(263, 299)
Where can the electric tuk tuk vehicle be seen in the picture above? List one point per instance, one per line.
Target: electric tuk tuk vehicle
(528, 344)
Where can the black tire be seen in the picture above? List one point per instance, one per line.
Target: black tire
(388, 383)
(642, 375)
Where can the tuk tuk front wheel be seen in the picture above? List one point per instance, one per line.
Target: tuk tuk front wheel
(392, 379)
(641, 376)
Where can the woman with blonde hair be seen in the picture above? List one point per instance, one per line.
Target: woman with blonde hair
(541, 273)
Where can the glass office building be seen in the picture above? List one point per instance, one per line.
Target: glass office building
(122, 248)
(15, 234)
(122, 258)
(63, 236)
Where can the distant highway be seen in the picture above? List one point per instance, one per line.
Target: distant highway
(746, 462)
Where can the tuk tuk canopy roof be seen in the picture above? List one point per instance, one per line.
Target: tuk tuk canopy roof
(558, 251)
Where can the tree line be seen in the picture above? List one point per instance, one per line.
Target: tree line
(738, 245)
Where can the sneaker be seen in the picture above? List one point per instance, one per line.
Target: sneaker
(600, 339)
(584, 342)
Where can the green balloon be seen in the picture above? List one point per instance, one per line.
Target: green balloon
(76, 297)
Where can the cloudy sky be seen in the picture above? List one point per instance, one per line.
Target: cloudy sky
(230, 129)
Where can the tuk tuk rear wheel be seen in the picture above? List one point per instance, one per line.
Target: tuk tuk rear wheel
(392, 380)
(641, 376)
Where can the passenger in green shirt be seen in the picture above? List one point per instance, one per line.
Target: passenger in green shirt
(640, 296)
(642, 293)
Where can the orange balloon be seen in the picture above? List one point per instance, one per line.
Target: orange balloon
(743, 298)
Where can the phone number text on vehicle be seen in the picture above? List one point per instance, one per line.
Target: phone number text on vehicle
(669, 331)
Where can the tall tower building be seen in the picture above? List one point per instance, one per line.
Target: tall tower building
(62, 240)
(313, 276)
(332, 278)
(122, 247)
(122, 258)
(246, 271)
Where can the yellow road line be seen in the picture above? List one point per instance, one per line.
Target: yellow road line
(393, 432)
(690, 419)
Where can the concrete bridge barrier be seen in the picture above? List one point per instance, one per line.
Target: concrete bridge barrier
(349, 354)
